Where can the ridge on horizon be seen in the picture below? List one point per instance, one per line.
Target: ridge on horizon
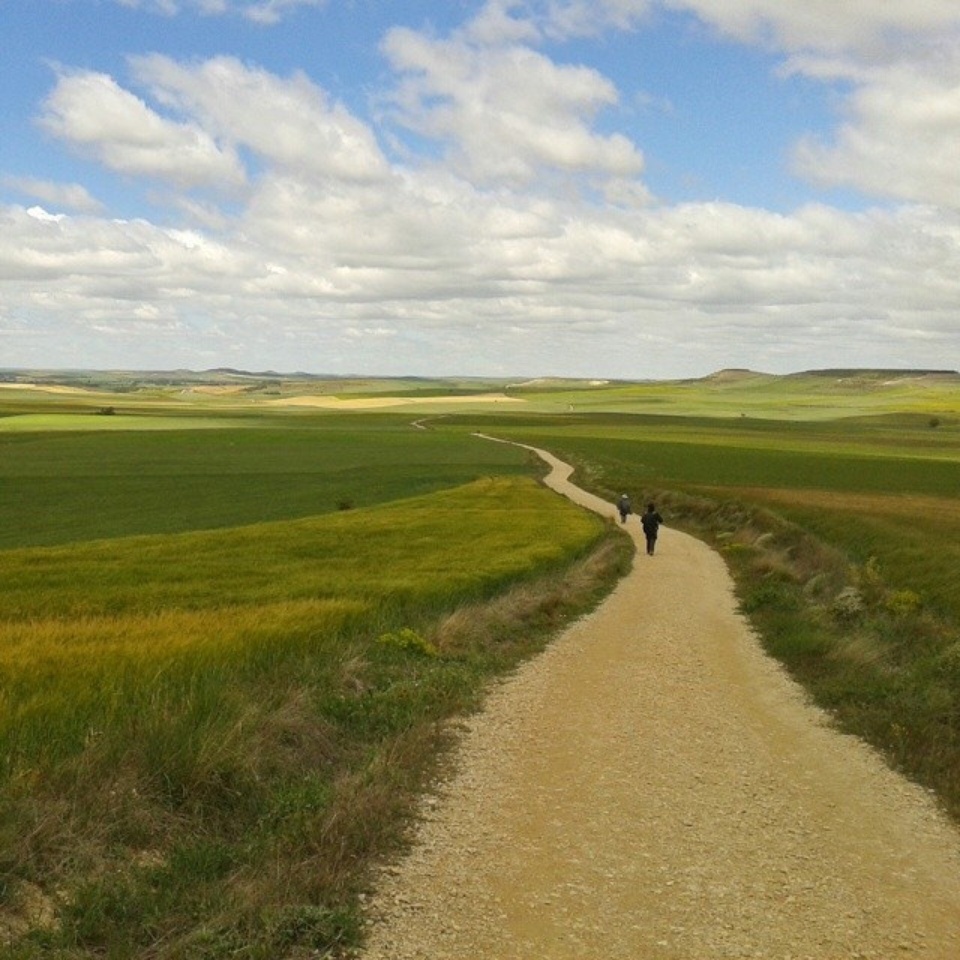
(25, 374)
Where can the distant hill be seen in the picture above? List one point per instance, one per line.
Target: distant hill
(840, 378)
(881, 373)
(730, 378)
(735, 375)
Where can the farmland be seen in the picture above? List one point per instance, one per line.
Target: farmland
(228, 654)
(63, 481)
(239, 610)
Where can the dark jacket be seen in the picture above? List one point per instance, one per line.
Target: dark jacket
(651, 521)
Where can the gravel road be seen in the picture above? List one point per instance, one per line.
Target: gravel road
(653, 786)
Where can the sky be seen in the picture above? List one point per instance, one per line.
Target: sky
(620, 189)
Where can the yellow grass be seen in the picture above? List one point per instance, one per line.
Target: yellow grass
(85, 627)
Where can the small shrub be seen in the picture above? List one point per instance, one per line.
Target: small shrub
(860, 649)
(410, 640)
(870, 578)
(847, 605)
(901, 603)
(303, 925)
(816, 586)
(737, 548)
(947, 664)
(770, 595)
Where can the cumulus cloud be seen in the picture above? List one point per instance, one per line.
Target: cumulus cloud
(528, 20)
(506, 113)
(571, 18)
(89, 252)
(289, 122)
(93, 113)
(865, 26)
(72, 196)
(900, 133)
(614, 291)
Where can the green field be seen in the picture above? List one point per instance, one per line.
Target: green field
(238, 611)
(184, 711)
(59, 485)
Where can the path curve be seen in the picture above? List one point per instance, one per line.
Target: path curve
(654, 786)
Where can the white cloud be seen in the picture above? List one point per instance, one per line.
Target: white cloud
(455, 279)
(271, 11)
(496, 24)
(490, 257)
(506, 113)
(38, 213)
(901, 134)
(73, 196)
(509, 21)
(570, 18)
(289, 122)
(91, 112)
(89, 252)
(865, 26)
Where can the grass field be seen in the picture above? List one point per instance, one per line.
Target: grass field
(229, 642)
(234, 623)
(206, 735)
(731, 394)
(185, 473)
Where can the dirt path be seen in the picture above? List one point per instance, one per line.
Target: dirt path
(654, 787)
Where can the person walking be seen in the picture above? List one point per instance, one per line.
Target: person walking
(623, 505)
(650, 521)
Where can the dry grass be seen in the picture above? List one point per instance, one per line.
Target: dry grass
(519, 610)
(860, 651)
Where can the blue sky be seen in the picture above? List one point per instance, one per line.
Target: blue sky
(596, 188)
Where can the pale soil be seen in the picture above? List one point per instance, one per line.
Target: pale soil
(375, 403)
(653, 786)
(42, 388)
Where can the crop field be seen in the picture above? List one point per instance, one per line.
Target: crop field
(239, 611)
(91, 634)
(227, 656)
(65, 482)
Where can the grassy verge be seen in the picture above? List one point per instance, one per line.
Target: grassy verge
(870, 651)
(208, 737)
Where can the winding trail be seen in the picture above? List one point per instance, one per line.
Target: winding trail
(654, 786)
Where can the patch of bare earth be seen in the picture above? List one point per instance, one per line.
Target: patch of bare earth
(653, 786)
(374, 403)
